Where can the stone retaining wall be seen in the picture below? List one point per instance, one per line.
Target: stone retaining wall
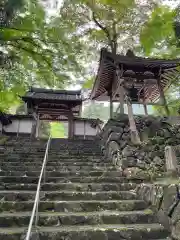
(146, 159)
(147, 162)
(164, 199)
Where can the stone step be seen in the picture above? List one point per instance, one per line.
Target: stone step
(34, 160)
(4, 152)
(71, 186)
(82, 152)
(18, 179)
(74, 206)
(90, 232)
(63, 168)
(52, 164)
(41, 148)
(21, 219)
(98, 173)
(59, 155)
(67, 195)
(65, 147)
(61, 149)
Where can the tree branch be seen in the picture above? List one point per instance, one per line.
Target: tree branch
(33, 53)
(31, 41)
(114, 38)
(17, 29)
(104, 29)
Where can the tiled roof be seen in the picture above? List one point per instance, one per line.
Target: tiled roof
(138, 65)
(49, 94)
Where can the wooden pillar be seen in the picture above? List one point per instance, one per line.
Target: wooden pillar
(33, 129)
(17, 135)
(121, 98)
(84, 129)
(111, 106)
(134, 133)
(70, 126)
(37, 126)
(26, 108)
(120, 88)
(162, 96)
(145, 109)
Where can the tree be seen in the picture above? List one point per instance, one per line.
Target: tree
(35, 50)
(58, 130)
(158, 35)
(20, 109)
(112, 24)
(104, 23)
(96, 110)
(162, 26)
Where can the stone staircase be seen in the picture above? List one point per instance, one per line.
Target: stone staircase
(84, 197)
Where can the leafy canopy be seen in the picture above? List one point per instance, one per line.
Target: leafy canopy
(104, 23)
(159, 37)
(35, 50)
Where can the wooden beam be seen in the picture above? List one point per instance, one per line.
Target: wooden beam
(121, 98)
(145, 109)
(162, 97)
(134, 133)
(111, 106)
(71, 125)
(37, 126)
(120, 88)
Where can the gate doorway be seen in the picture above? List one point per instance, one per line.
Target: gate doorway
(57, 129)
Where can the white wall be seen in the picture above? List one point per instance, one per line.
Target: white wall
(84, 127)
(89, 130)
(24, 126)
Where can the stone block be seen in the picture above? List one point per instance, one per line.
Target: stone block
(114, 136)
(128, 151)
(176, 231)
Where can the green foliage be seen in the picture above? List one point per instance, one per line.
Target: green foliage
(20, 109)
(173, 105)
(96, 110)
(159, 28)
(104, 23)
(88, 84)
(159, 39)
(36, 50)
(58, 130)
(44, 129)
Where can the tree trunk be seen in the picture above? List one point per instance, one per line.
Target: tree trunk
(134, 133)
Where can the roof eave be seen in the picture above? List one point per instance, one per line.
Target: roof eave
(95, 86)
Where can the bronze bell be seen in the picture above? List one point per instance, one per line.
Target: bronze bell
(149, 74)
(129, 73)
